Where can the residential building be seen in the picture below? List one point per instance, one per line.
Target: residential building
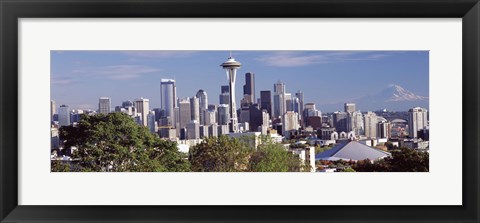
(370, 124)
(417, 120)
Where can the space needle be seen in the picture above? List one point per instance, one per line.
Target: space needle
(231, 67)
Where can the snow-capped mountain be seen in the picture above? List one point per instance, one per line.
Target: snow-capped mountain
(399, 93)
(393, 98)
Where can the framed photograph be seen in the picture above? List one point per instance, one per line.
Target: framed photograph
(228, 111)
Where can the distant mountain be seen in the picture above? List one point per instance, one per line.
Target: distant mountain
(393, 98)
(399, 94)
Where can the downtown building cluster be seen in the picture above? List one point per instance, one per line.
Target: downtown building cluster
(278, 113)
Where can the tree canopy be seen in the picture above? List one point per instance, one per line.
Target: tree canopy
(402, 160)
(115, 142)
(226, 154)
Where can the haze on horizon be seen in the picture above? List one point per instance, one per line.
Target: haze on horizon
(327, 78)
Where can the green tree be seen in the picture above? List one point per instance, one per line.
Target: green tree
(402, 160)
(220, 154)
(409, 160)
(272, 157)
(115, 142)
(59, 166)
(226, 154)
(348, 169)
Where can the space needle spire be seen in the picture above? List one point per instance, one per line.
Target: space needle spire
(231, 66)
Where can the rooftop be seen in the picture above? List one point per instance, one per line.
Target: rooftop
(351, 151)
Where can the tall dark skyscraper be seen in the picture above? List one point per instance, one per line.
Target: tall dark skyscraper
(266, 101)
(225, 95)
(225, 89)
(301, 99)
(249, 87)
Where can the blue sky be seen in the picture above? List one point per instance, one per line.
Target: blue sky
(79, 78)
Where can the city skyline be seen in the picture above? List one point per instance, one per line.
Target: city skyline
(79, 78)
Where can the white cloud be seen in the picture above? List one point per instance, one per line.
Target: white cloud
(117, 72)
(159, 54)
(62, 81)
(296, 59)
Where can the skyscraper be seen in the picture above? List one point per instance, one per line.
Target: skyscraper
(223, 114)
(417, 120)
(104, 105)
(311, 110)
(290, 121)
(64, 115)
(203, 102)
(168, 95)
(151, 121)
(301, 101)
(296, 105)
(203, 98)
(383, 130)
(255, 119)
(127, 104)
(231, 66)
(210, 116)
(349, 107)
(224, 97)
(53, 109)
(370, 125)
(249, 87)
(279, 106)
(185, 112)
(195, 107)
(142, 107)
(340, 121)
(288, 102)
(266, 101)
(193, 130)
(355, 123)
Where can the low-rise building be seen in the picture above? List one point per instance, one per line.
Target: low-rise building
(307, 155)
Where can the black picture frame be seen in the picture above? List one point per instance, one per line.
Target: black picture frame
(12, 10)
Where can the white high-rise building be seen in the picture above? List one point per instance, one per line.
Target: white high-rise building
(383, 129)
(223, 114)
(290, 121)
(203, 104)
(142, 107)
(417, 120)
(210, 117)
(195, 107)
(193, 130)
(185, 112)
(168, 94)
(355, 123)
(64, 115)
(104, 105)
(279, 103)
(203, 98)
(231, 66)
(370, 125)
(301, 104)
(265, 118)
